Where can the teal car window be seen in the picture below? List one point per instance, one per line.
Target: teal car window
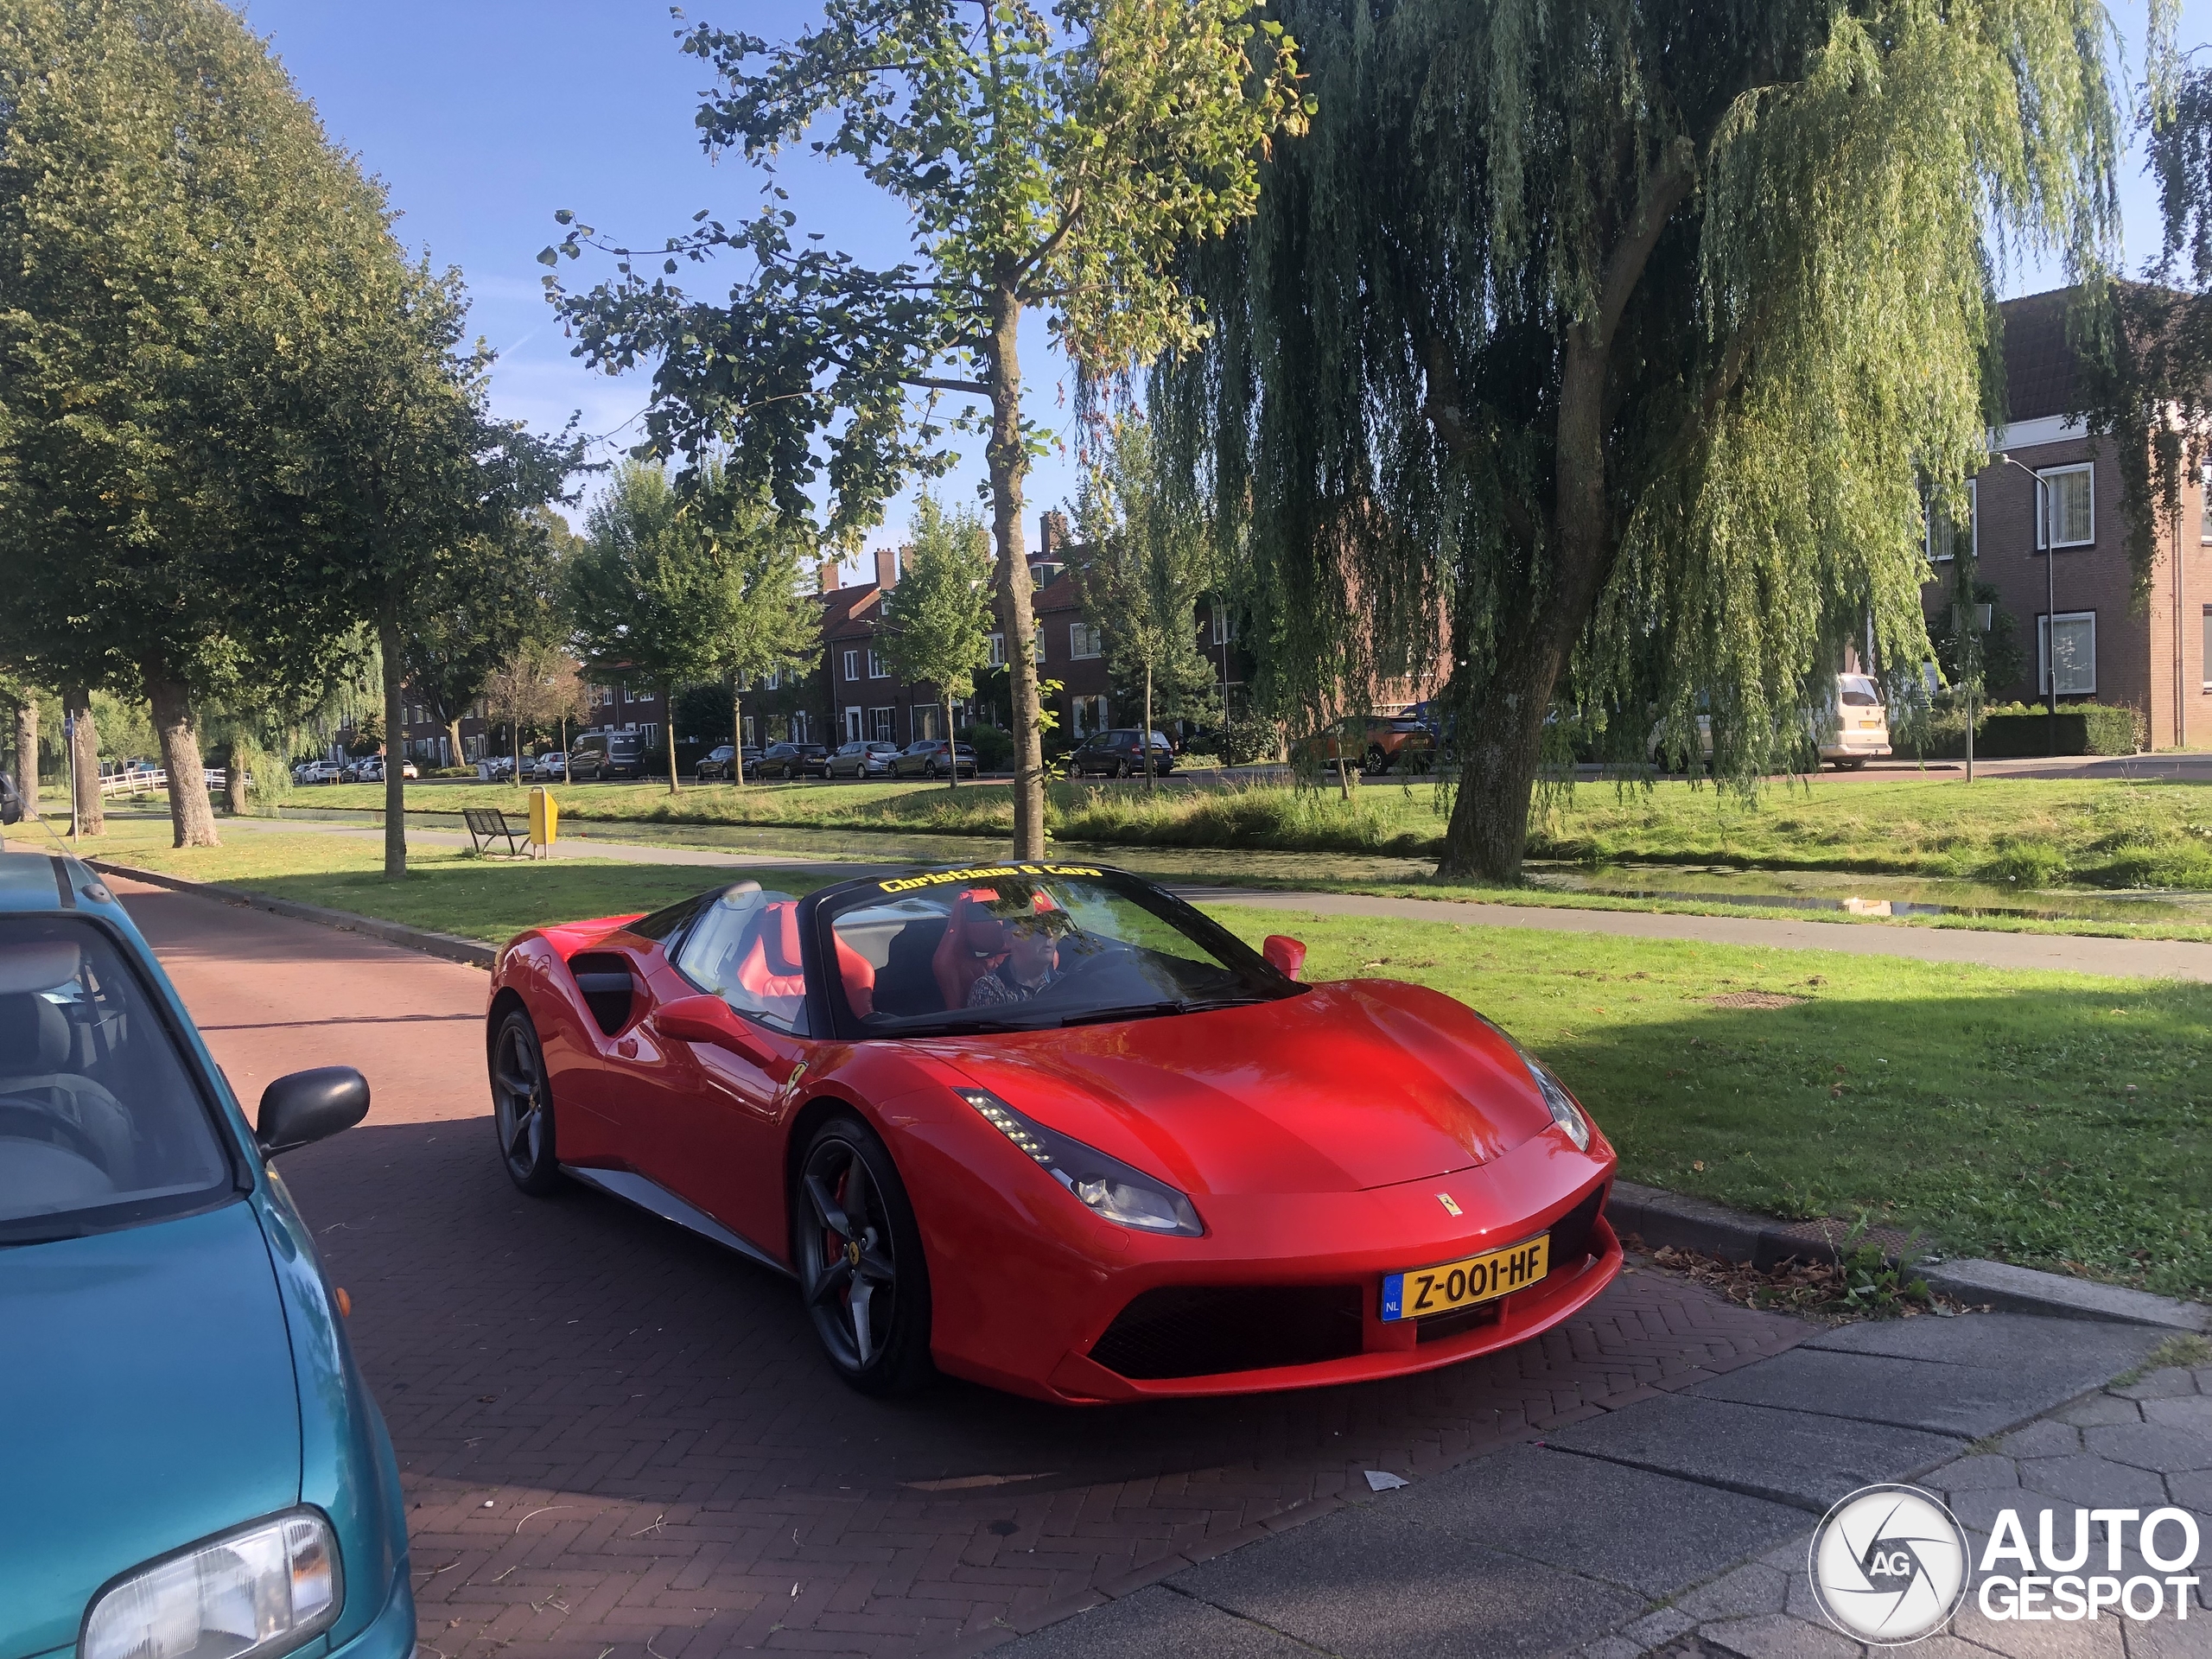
(101, 1122)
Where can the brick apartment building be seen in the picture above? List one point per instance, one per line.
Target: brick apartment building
(2061, 486)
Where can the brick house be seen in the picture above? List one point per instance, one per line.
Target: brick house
(2059, 486)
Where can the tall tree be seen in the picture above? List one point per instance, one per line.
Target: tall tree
(1043, 161)
(1597, 349)
(771, 626)
(1145, 562)
(652, 596)
(178, 243)
(937, 622)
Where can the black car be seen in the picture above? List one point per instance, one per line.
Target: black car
(933, 757)
(1116, 754)
(715, 763)
(871, 759)
(787, 760)
(600, 755)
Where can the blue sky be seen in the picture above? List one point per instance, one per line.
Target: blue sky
(483, 116)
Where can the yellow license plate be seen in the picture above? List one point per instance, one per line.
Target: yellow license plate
(1423, 1291)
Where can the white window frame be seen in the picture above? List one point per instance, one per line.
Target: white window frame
(1973, 527)
(998, 652)
(2205, 669)
(1085, 640)
(2205, 505)
(1078, 707)
(2043, 654)
(1040, 643)
(2047, 495)
(1224, 625)
(889, 724)
(856, 724)
(852, 666)
(877, 670)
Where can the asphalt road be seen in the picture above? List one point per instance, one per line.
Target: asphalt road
(612, 1434)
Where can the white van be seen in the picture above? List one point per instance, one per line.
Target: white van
(1861, 725)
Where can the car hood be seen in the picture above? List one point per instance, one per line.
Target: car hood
(1349, 1086)
(147, 1400)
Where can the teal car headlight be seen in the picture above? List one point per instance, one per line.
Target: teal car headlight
(1106, 1186)
(260, 1590)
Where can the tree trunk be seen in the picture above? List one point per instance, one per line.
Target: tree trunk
(514, 739)
(90, 818)
(668, 726)
(395, 736)
(736, 734)
(1144, 737)
(453, 742)
(1009, 464)
(952, 748)
(234, 800)
(27, 751)
(192, 815)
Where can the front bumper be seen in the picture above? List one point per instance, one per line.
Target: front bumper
(1030, 1327)
(391, 1634)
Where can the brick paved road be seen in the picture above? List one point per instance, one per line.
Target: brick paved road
(613, 1435)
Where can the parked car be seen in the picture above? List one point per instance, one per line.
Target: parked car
(317, 772)
(1379, 743)
(869, 759)
(1115, 753)
(370, 770)
(552, 766)
(190, 1448)
(787, 759)
(878, 1087)
(933, 757)
(601, 755)
(493, 768)
(715, 763)
(1862, 724)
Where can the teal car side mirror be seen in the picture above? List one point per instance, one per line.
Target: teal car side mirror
(309, 1106)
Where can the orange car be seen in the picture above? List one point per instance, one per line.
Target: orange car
(1380, 743)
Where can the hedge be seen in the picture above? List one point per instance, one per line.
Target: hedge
(2017, 733)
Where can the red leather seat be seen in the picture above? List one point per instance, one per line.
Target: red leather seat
(974, 943)
(770, 967)
(858, 974)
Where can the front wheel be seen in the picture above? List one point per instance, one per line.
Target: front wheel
(522, 1106)
(859, 1256)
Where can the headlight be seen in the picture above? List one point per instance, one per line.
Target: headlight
(264, 1589)
(1564, 1112)
(1108, 1188)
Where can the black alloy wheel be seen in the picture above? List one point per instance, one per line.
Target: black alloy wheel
(1121, 768)
(522, 1107)
(1377, 763)
(858, 1255)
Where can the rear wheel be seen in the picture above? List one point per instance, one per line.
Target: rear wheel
(858, 1255)
(522, 1106)
(1376, 762)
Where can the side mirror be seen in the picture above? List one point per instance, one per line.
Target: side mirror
(710, 1020)
(1286, 955)
(11, 803)
(310, 1106)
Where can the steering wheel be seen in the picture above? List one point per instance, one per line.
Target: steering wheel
(17, 1115)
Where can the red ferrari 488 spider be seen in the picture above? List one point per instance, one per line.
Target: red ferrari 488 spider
(1047, 1126)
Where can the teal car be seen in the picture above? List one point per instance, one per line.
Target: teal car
(191, 1466)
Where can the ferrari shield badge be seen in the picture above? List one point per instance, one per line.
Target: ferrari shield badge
(1451, 1207)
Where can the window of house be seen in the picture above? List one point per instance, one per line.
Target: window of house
(2066, 507)
(998, 650)
(1224, 625)
(775, 680)
(880, 725)
(1089, 714)
(1084, 639)
(1037, 650)
(1944, 532)
(649, 735)
(800, 727)
(876, 668)
(852, 665)
(748, 739)
(853, 732)
(2076, 654)
(926, 721)
(2206, 670)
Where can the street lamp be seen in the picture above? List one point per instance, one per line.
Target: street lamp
(2050, 596)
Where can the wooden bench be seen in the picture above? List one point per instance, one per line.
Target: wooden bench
(487, 824)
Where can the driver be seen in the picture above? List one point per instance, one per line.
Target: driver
(1032, 962)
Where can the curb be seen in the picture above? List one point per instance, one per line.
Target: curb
(469, 952)
(1660, 1217)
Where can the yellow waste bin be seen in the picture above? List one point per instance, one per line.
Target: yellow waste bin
(544, 822)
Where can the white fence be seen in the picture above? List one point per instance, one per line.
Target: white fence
(142, 783)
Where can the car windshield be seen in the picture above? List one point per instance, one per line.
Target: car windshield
(744, 948)
(1028, 946)
(100, 1123)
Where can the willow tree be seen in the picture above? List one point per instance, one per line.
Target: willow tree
(1042, 160)
(1595, 354)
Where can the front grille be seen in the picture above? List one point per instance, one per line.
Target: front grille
(1202, 1331)
(1571, 1232)
(1437, 1326)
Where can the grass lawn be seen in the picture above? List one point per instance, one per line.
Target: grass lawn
(2028, 832)
(2050, 1119)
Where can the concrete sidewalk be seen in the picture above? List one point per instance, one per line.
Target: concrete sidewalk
(1680, 1523)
